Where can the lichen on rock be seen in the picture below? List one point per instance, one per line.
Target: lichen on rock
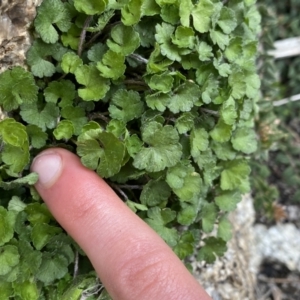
(16, 17)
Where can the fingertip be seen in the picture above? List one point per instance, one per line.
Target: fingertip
(48, 164)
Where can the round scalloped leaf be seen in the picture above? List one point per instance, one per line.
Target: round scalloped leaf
(9, 258)
(90, 7)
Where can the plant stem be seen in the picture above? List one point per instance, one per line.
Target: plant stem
(130, 187)
(115, 186)
(209, 111)
(83, 35)
(139, 58)
(76, 264)
(135, 82)
(98, 116)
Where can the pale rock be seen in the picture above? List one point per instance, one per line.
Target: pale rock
(279, 243)
(233, 277)
(16, 17)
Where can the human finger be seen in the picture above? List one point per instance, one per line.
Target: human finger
(132, 261)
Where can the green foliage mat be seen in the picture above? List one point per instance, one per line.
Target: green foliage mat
(158, 97)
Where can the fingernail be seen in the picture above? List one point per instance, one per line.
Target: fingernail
(48, 165)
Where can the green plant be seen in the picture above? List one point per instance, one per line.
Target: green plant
(158, 97)
(276, 173)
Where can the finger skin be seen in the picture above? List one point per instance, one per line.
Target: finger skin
(132, 261)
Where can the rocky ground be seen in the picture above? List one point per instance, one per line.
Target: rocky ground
(262, 261)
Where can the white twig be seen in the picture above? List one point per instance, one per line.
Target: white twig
(139, 58)
(91, 291)
(286, 48)
(209, 111)
(287, 100)
(76, 264)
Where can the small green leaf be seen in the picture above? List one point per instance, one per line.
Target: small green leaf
(90, 7)
(235, 176)
(117, 128)
(184, 37)
(205, 51)
(26, 290)
(7, 221)
(103, 20)
(185, 122)
(185, 97)
(224, 229)
(227, 201)
(158, 219)
(213, 247)
(13, 133)
(36, 135)
(64, 130)
(71, 38)
(170, 13)
(70, 62)
(50, 13)
(187, 215)
(9, 258)
(16, 158)
(244, 83)
(131, 12)
(150, 8)
(164, 149)
(209, 214)
(112, 158)
(199, 141)
(227, 20)
(219, 38)
(126, 105)
(89, 149)
(95, 86)
(44, 117)
(244, 139)
(63, 90)
(185, 10)
(133, 145)
(229, 111)
(17, 86)
(163, 36)
(161, 82)
(161, 3)
(112, 65)
(158, 101)
(16, 204)
(96, 52)
(136, 206)
(124, 40)
(184, 181)
(185, 245)
(38, 213)
(224, 151)
(31, 179)
(77, 116)
(53, 267)
(155, 193)
(6, 290)
(30, 260)
(222, 132)
(42, 233)
(94, 145)
(201, 14)
(235, 49)
(210, 89)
